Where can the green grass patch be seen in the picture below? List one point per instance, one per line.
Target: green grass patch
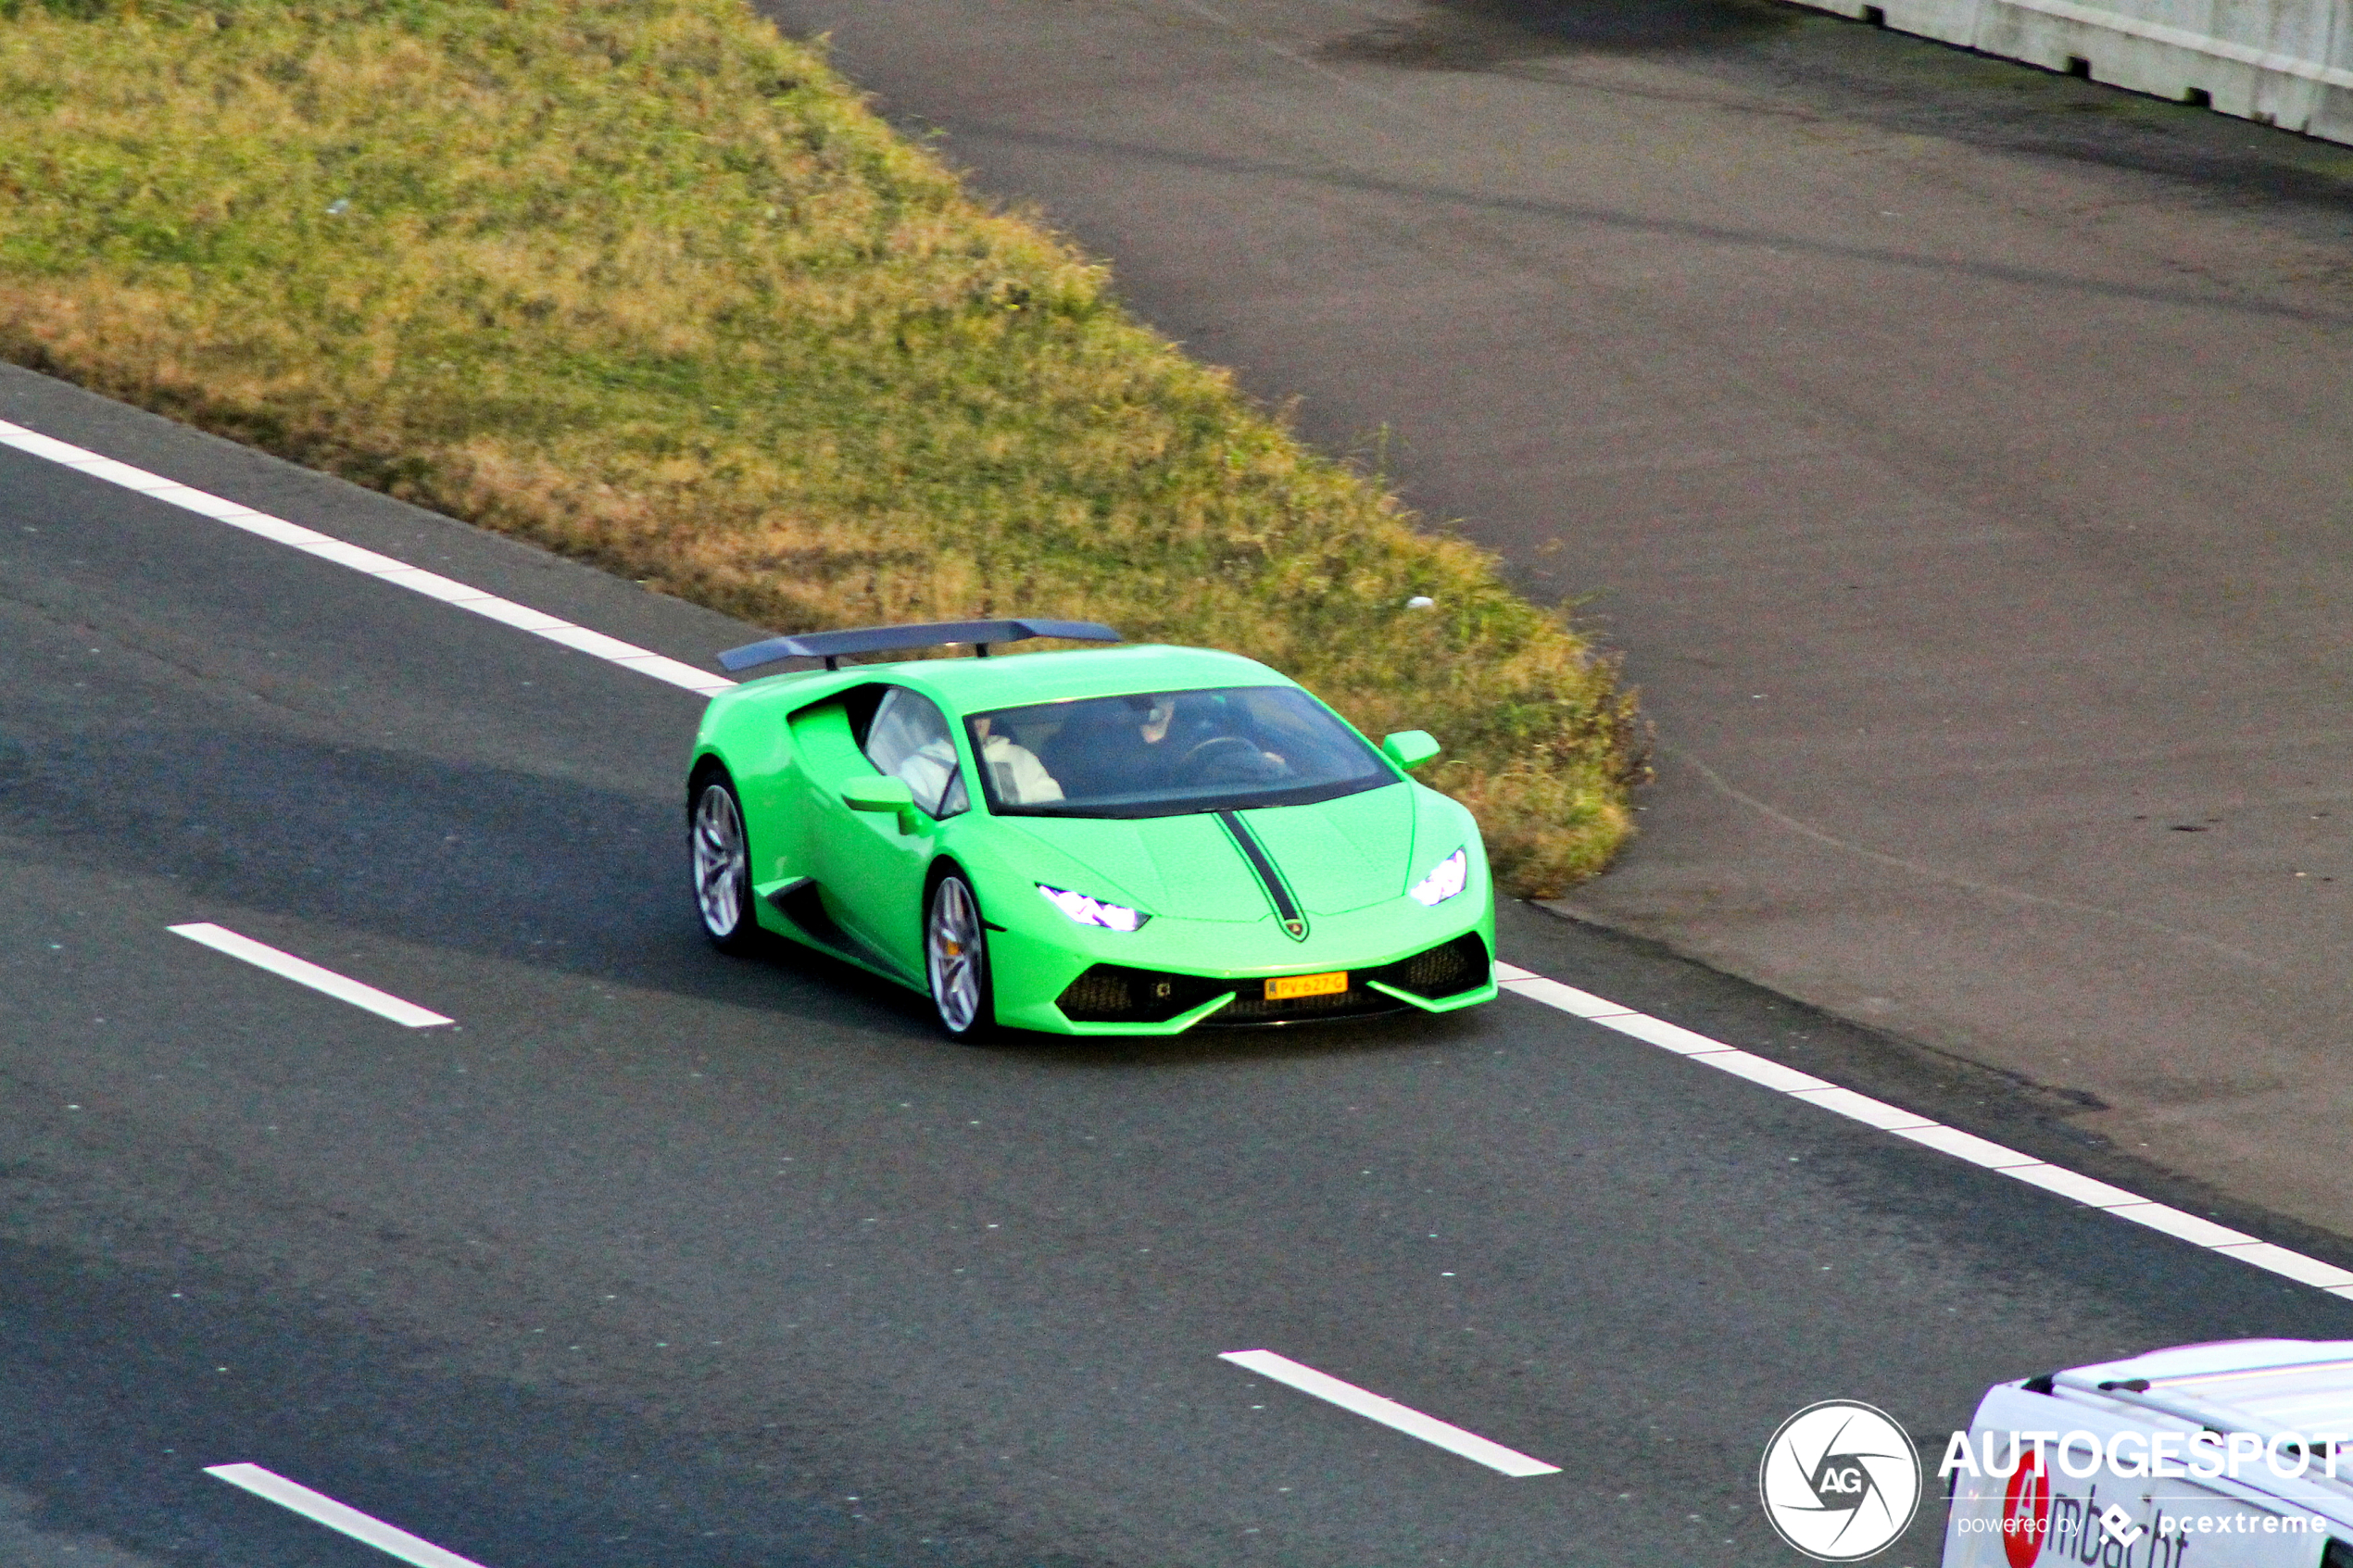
(644, 281)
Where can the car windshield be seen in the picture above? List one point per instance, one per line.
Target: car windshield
(1161, 754)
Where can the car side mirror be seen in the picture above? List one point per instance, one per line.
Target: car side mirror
(1410, 748)
(881, 793)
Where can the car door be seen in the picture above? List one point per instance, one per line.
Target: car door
(874, 863)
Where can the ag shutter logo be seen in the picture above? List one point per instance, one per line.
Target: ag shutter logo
(1840, 1480)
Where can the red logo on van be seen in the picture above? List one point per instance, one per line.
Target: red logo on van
(2026, 1510)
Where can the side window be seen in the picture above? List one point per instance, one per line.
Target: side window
(908, 739)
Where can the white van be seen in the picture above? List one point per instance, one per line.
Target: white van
(2231, 1455)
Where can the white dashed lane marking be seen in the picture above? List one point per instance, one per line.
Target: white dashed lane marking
(1389, 1413)
(302, 972)
(2070, 1184)
(322, 1508)
(1596, 1009)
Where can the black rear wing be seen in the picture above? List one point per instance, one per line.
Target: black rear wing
(832, 646)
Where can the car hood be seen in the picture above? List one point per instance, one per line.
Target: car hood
(1342, 855)
(1336, 855)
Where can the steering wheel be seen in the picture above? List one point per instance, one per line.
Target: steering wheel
(1205, 757)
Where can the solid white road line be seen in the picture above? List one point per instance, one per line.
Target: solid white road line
(1389, 1413)
(2070, 1184)
(322, 1508)
(1526, 982)
(302, 972)
(612, 650)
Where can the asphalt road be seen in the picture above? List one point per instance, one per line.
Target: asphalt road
(662, 1258)
(1960, 454)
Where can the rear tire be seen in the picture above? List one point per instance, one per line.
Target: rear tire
(956, 961)
(721, 853)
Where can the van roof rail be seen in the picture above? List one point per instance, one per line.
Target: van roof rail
(832, 647)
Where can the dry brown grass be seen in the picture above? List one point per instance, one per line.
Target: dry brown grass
(644, 281)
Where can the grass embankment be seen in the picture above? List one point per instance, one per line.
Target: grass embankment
(644, 281)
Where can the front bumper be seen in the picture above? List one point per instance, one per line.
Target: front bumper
(1176, 975)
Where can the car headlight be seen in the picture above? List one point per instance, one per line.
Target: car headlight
(1447, 878)
(1094, 911)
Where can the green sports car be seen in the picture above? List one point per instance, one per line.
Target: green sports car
(1102, 841)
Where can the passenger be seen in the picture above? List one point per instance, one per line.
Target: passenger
(931, 776)
(1014, 769)
(908, 740)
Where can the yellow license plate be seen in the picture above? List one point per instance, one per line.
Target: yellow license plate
(1290, 985)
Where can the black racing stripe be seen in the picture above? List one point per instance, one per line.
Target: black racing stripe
(1253, 851)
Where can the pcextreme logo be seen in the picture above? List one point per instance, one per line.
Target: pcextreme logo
(1840, 1480)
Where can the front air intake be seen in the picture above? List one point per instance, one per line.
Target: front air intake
(1115, 994)
(1444, 971)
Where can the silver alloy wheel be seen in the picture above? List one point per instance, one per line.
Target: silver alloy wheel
(721, 864)
(955, 955)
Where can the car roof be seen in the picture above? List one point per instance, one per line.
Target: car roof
(2264, 1385)
(975, 685)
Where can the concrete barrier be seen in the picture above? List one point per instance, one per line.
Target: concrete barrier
(2278, 62)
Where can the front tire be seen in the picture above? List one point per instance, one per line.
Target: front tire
(956, 960)
(721, 857)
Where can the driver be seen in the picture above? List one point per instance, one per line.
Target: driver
(1158, 716)
(1192, 753)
